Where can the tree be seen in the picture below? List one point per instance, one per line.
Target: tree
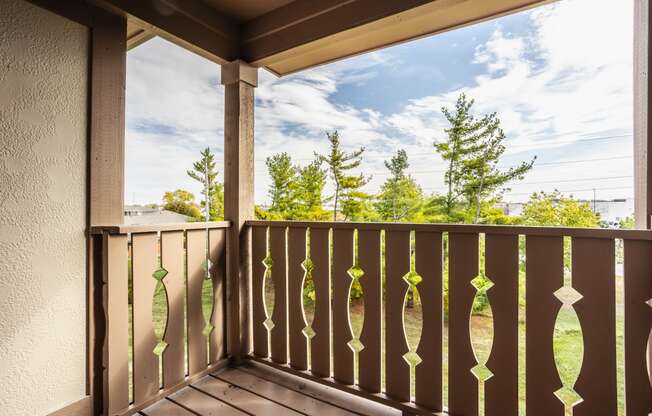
(182, 202)
(338, 163)
(283, 175)
(204, 172)
(473, 147)
(400, 197)
(308, 192)
(557, 210)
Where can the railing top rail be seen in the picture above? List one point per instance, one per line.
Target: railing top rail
(152, 228)
(466, 228)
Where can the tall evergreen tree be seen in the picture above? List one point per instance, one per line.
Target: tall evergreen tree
(472, 149)
(204, 172)
(281, 192)
(309, 190)
(338, 164)
(400, 197)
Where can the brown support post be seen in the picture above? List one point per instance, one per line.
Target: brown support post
(105, 175)
(642, 124)
(642, 132)
(239, 80)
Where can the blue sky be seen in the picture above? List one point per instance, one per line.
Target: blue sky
(560, 78)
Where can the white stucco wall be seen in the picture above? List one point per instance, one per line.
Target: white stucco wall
(43, 130)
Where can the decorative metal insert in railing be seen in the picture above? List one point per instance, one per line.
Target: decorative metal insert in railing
(391, 259)
(163, 303)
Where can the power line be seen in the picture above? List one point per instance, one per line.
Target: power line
(555, 181)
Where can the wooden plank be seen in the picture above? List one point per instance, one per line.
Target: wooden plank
(369, 358)
(638, 324)
(259, 316)
(280, 395)
(462, 268)
(319, 389)
(320, 353)
(342, 280)
(397, 265)
(239, 106)
(642, 122)
(428, 374)
(173, 261)
(146, 363)
(240, 398)
(297, 322)
(83, 407)
(594, 277)
(116, 309)
(165, 408)
(150, 228)
(203, 404)
(279, 333)
(545, 275)
(107, 118)
(501, 267)
(217, 255)
(609, 234)
(197, 346)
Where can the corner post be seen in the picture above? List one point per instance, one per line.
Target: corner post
(239, 80)
(642, 132)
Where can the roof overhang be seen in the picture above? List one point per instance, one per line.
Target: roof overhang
(286, 37)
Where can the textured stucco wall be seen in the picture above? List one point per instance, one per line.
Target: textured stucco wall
(43, 125)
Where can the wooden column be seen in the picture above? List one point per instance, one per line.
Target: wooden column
(106, 117)
(642, 133)
(239, 80)
(642, 125)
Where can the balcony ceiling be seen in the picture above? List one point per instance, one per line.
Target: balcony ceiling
(286, 36)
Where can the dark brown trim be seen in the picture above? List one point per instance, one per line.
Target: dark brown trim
(82, 407)
(125, 229)
(75, 10)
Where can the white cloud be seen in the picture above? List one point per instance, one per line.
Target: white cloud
(568, 78)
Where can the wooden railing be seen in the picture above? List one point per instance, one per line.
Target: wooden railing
(162, 326)
(386, 255)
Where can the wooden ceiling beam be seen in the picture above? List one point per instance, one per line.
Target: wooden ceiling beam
(189, 23)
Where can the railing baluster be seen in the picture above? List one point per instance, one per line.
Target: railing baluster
(638, 324)
(296, 274)
(146, 363)
(197, 348)
(320, 355)
(544, 276)
(342, 335)
(397, 370)
(462, 268)
(172, 261)
(258, 270)
(501, 267)
(370, 337)
(116, 307)
(594, 278)
(428, 374)
(279, 277)
(217, 255)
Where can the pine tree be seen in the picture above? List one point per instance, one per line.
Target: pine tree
(281, 192)
(338, 163)
(400, 197)
(473, 147)
(309, 190)
(204, 172)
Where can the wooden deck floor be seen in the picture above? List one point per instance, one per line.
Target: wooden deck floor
(254, 389)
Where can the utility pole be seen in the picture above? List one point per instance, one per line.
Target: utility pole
(594, 200)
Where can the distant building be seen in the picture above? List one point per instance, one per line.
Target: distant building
(611, 212)
(141, 215)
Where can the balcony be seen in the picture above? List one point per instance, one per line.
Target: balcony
(379, 369)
